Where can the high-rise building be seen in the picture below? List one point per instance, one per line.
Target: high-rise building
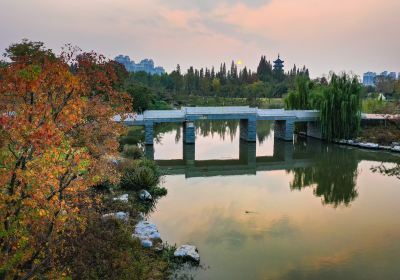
(146, 65)
(384, 74)
(392, 75)
(369, 79)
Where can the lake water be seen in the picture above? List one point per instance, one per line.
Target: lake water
(278, 210)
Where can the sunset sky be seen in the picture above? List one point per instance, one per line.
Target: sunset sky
(351, 35)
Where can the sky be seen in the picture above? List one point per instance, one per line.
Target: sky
(325, 35)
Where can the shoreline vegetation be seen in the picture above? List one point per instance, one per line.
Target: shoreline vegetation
(61, 173)
(75, 184)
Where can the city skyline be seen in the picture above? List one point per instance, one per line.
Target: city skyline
(354, 36)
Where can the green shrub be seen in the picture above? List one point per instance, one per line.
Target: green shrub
(134, 136)
(157, 192)
(144, 175)
(150, 164)
(133, 152)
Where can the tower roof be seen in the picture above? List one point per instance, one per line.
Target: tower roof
(279, 61)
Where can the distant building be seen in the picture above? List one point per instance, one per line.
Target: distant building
(146, 65)
(278, 64)
(369, 79)
(392, 75)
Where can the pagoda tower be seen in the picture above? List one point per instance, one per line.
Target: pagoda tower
(278, 64)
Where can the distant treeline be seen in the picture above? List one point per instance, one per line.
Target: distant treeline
(177, 86)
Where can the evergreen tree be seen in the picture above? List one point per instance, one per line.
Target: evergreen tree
(264, 70)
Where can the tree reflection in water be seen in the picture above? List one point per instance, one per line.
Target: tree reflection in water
(393, 170)
(333, 176)
(221, 128)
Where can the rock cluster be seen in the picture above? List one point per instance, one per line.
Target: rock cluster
(147, 233)
(395, 147)
(124, 216)
(187, 252)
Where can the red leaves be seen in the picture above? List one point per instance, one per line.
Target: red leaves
(53, 145)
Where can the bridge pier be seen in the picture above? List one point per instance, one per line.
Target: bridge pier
(314, 130)
(189, 132)
(148, 133)
(283, 150)
(248, 129)
(189, 154)
(284, 129)
(149, 152)
(247, 152)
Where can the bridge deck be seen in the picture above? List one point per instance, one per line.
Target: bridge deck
(215, 113)
(230, 112)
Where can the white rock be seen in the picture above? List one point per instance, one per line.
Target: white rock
(145, 195)
(146, 243)
(396, 149)
(188, 252)
(115, 161)
(369, 145)
(384, 147)
(123, 198)
(146, 231)
(124, 216)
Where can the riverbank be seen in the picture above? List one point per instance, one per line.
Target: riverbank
(106, 247)
(383, 135)
(262, 103)
(120, 241)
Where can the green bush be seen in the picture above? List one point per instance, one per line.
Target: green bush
(157, 192)
(150, 164)
(144, 174)
(135, 135)
(133, 152)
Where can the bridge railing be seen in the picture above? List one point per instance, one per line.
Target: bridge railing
(163, 114)
(220, 110)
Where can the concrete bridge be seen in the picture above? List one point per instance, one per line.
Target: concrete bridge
(284, 120)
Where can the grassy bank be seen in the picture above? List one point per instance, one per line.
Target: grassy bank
(263, 103)
(381, 134)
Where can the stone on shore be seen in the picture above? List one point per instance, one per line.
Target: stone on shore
(369, 145)
(147, 233)
(123, 216)
(396, 149)
(123, 198)
(145, 195)
(187, 252)
(385, 147)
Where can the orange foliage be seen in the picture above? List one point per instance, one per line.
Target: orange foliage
(56, 138)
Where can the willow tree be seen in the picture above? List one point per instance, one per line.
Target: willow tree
(340, 111)
(299, 99)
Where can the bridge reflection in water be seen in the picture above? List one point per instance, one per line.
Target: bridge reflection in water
(286, 155)
(293, 156)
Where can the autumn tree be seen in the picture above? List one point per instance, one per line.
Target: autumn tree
(56, 140)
